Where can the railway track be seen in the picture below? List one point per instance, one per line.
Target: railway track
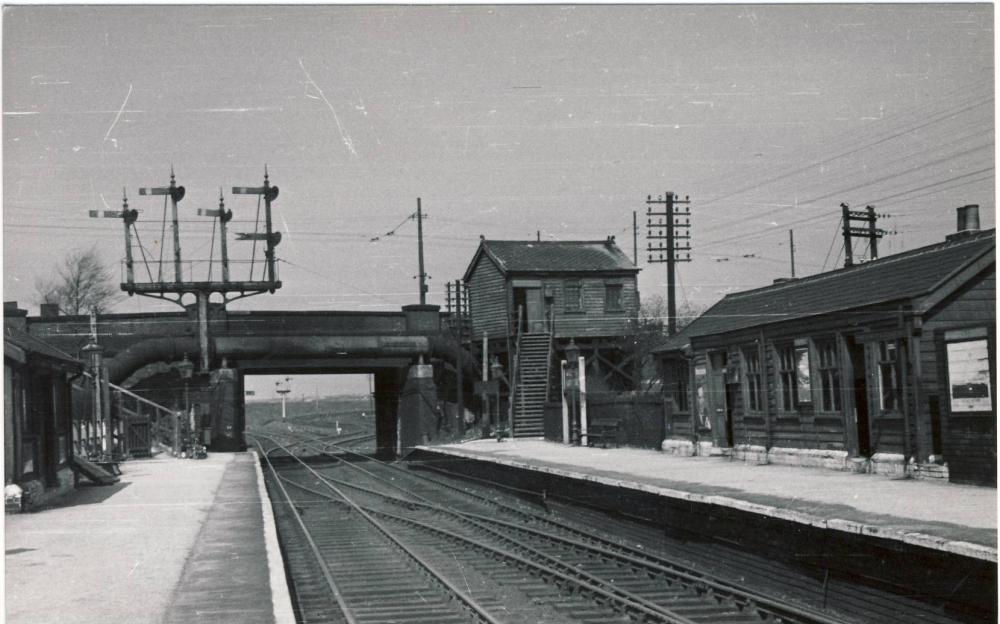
(517, 565)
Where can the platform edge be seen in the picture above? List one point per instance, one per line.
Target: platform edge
(967, 549)
(281, 599)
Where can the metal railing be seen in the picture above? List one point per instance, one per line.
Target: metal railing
(515, 369)
(137, 411)
(552, 352)
(197, 270)
(133, 426)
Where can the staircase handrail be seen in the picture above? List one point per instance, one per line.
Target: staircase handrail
(161, 418)
(515, 370)
(140, 399)
(552, 349)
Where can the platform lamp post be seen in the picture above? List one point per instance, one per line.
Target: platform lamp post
(572, 353)
(186, 370)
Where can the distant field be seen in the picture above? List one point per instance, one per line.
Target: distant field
(322, 413)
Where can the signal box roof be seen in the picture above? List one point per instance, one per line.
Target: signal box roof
(602, 256)
(906, 276)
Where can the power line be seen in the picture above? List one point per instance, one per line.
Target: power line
(833, 241)
(850, 151)
(392, 232)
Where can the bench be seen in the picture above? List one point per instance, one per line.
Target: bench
(602, 430)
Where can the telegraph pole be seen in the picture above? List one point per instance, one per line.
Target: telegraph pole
(868, 231)
(668, 230)
(460, 395)
(791, 248)
(420, 254)
(635, 240)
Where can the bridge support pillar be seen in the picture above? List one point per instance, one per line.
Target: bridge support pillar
(387, 385)
(226, 408)
(419, 415)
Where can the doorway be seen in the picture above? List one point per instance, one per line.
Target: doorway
(731, 393)
(860, 385)
(719, 400)
(528, 299)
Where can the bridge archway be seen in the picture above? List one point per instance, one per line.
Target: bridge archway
(384, 344)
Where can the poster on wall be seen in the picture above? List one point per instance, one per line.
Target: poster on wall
(969, 376)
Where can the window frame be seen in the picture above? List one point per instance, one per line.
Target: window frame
(752, 382)
(785, 368)
(608, 287)
(803, 393)
(829, 376)
(568, 286)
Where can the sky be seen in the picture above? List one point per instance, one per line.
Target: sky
(511, 122)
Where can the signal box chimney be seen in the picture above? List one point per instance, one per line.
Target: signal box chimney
(968, 218)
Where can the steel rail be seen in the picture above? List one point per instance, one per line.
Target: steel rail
(478, 610)
(627, 601)
(661, 565)
(480, 521)
(327, 575)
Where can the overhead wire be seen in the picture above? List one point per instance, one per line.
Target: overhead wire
(848, 152)
(833, 241)
(332, 279)
(807, 167)
(392, 232)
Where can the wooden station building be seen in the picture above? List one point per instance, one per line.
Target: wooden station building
(532, 298)
(37, 412)
(886, 366)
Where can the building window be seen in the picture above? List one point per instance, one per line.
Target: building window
(613, 297)
(573, 296)
(751, 380)
(786, 377)
(794, 375)
(969, 376)
(803, 377)
(829, 376)
(887, 367)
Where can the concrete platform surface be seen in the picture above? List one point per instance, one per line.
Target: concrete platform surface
(175, 539)
(944, 516)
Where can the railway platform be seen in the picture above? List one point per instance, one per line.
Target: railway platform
(176, 540)
(950, 518)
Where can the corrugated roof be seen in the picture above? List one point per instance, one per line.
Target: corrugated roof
(561, 256)
(897, 277)
(19, 339)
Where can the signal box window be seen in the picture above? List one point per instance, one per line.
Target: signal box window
(573, 296)
(613, 297)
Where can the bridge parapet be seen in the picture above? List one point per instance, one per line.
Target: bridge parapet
(137, 338)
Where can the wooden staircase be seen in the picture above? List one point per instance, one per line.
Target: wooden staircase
(533, 374)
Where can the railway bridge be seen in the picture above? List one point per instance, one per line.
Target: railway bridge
(142, 351)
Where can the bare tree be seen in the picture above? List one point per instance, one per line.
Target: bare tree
(651, 333)
(81, 283)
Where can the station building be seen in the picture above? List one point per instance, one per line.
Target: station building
(532, 298)
(887, 366)
(38, 412)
